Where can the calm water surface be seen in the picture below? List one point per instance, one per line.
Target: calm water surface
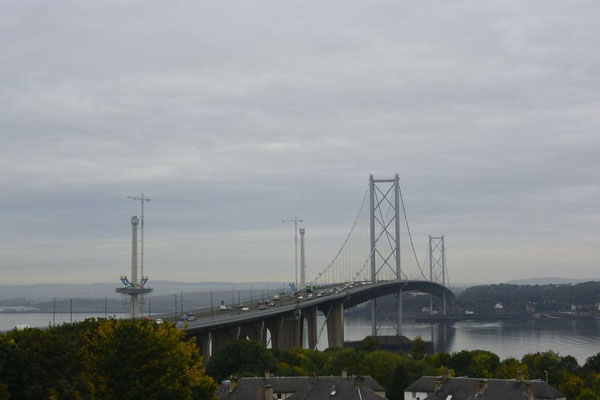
(507, 338)
(10, 320)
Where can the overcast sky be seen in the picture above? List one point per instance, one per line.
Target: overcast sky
(232, 115)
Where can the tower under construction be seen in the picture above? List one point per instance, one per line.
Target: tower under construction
(133, 288)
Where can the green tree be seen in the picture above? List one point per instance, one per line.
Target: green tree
(439, 360)
(587, 394)
(368, 344)
(380, 365)
(417, 349)
(400, 381)
(538, 362)
(338, 359)
(133, 360)
(570, 384)
(240, 357)
(593, 363)
(569, 364)
(4, 394)
(460, 362)
(484, 364)
(40, 364)
(509, 368)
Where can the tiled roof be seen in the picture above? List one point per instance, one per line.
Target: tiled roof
(291, 384)
(332, 389)
(240, 393)
(466, 388)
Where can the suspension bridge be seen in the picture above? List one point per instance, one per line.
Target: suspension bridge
(368, 265)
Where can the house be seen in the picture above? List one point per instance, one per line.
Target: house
(285, 387)
(465, 388)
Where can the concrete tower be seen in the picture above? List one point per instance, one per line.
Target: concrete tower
(134, 288)
(302, 260)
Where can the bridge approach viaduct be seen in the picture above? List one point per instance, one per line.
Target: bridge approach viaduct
(285, 321)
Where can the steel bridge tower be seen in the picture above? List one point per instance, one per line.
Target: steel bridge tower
(384, 196)
(437, 267)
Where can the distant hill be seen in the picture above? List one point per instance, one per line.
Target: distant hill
(549, 281)
(48, 291)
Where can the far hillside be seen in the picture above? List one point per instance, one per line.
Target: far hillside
(582, 297)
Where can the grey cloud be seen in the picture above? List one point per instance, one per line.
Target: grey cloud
(235, 115)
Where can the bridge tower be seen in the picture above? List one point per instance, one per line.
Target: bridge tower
(384, 196)
(437, 267)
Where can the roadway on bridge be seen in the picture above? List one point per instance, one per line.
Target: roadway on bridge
(288, 304)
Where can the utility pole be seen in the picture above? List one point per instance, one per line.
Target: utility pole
(295, 221)
(54, 313)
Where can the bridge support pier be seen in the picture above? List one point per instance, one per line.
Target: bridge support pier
(274, 327)
(221, 337)
(290, 333)
(203, 342)
(255, 331)
(444, 303)
(335, 324)
(311, 321)
(399, 312)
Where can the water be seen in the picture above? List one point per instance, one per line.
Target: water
(10, 320)
(506, 338)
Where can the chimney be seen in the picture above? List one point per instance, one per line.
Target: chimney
(267, 373)
(233, 384)
(519, 376)
(268, 392)
(481, 386)
(529, 390)
(344, 373)
(437, 384)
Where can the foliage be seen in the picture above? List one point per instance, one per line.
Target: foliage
(417, 349)
(538, 363)
(106, 359)
(240, 357)
(593, 363)
(544, 298)
(396, 371)
(484, 364)
(379, 364)
(368, 344)
(509, 368)
(138, 359)
(400, 381)
(339, 359)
